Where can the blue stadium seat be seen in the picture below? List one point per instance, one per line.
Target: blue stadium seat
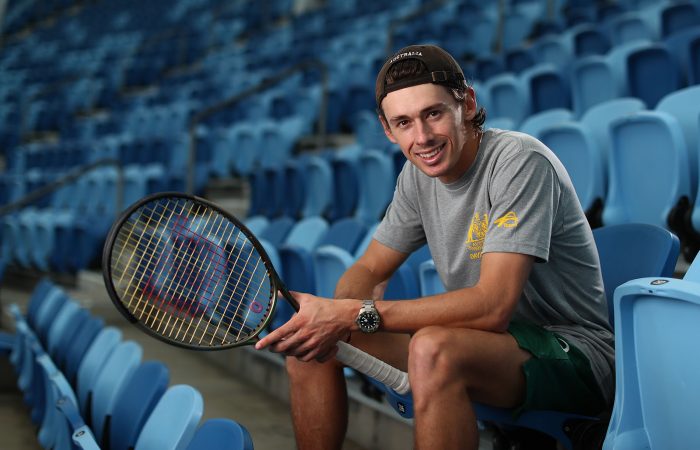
(576, 149)
(507, 98)
(640, 141)
(555, 49)
(430, 283)
(684, 105)
(277, 230)
(346, 183)
(651, 72)
(599, 117)
(518, 59)
(685, 46)
(548, 88)
(588, 39)
(84, 337)
(676, 17)
(592, 82)
(222, 434)
(91, 365)
(376, 185)
(535, 123)
(319, 187)
(135, 402)
(173, 421)
(115, 373)
(630, 27)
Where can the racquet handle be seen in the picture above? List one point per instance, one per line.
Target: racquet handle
(373, 367)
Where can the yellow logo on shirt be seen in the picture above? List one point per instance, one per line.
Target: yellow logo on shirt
(510, 220)
(477, 234)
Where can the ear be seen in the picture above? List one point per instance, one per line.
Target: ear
(470, 105)
(387, 130)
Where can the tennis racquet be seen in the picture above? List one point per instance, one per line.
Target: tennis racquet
(192, 275)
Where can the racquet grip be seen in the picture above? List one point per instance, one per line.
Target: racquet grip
(373, 367)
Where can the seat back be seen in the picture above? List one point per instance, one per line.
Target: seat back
(657, 384)
(135, 403)
(92, 364)
(376, 185)
(173, 421)
(221, 434)
(592, 82)
(120, 364)
(640, 141)
(634, 250)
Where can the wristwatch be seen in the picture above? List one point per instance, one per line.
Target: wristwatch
(368, 319)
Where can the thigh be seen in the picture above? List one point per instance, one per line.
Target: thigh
(490, 362)
(391, 348)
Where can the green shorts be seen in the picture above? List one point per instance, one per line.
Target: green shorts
(558, 376)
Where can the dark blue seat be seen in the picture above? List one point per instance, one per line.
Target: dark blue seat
(221, 434)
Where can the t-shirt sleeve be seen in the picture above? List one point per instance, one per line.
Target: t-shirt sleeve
(524, 193)
(401, 228)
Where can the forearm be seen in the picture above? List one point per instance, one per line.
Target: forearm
(358, 282)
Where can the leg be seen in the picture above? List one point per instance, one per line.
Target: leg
(450, 368)
(318, 394)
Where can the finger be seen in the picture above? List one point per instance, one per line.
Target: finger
(327, 356)
(274, 337)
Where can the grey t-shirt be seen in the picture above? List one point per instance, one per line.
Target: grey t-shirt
(516, 197)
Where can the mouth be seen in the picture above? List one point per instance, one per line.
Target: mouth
(431, 156)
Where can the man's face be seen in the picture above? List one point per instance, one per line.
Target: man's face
(432, 128)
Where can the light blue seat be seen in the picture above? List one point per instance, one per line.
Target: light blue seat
(592, 82)
(334, 256)
(640, 141)
(622, 258)
(576, 149)
(652, 73)
(430, 283)
(588, 39)
(135, 402)
(548, 87)
(346, 183)
(599, 117)
(405, 282)
(657, 384)
(319, 187)
(173, 421)
(507, 98)
(117, 371)
(277, 230)
(62, 427)
(630, 27)
(256, 224)
(376, 185)
(91, 366)
(221, 434)
(84, 336)
(296, 261)
(62, 325)
(684, 105)
(535, 123)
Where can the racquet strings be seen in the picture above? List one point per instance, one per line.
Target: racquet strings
(189, 274)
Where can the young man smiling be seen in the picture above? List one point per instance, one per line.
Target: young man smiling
(523, 323)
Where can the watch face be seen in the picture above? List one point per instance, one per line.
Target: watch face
(368, 322)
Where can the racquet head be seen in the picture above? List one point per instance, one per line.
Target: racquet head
(189, 273)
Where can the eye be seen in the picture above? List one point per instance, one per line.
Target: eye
(435, 113)
(402, 123)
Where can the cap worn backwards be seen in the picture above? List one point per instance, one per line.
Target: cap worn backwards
(442, 69)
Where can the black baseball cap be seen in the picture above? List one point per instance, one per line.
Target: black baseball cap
(442, 69)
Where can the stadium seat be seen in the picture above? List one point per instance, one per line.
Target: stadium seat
(684, 105)
(655, 395)
(115, 373)
(319, 187)
(346, 185)
(640, 141)
(535, 123)
(135, 402)
(685, 46)
(599, 117)
(430, 283)
(222, 434)
(592, 82)
(91, 366)
(576, 149)
(173, 421)
(507, 98)
(376, 185)
(548, 88)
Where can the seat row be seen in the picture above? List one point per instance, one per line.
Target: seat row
(88, 388)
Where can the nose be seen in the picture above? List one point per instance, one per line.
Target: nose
(424, 133)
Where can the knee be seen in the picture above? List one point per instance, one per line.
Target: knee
(431, 357)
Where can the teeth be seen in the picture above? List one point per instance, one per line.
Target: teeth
(430, 154)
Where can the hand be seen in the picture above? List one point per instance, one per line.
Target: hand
(311, 334)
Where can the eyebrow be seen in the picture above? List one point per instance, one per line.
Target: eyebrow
(438, 105)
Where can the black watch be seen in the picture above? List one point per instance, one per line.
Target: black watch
(368, 319)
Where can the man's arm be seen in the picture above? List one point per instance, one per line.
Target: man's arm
(370, 272)
(486, 306)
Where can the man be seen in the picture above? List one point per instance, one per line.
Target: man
(523, 323)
